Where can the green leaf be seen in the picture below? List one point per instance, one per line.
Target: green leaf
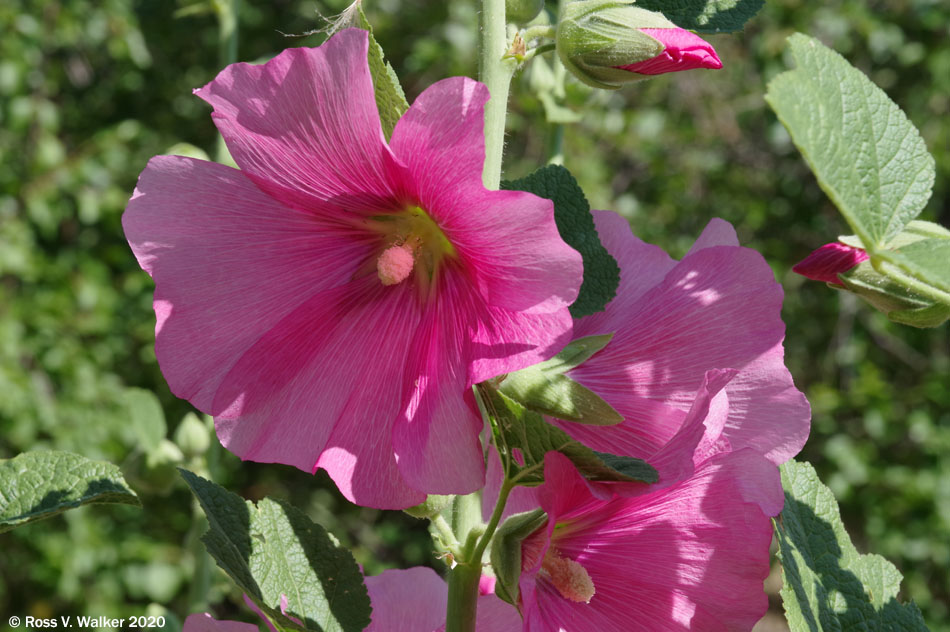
(515, 427)
(273, 549)
(576, 225)
(146, 416)
(506, 551)
(867, 156)
(38, 485)
(706, 16)
(390, 98)
(544, 387)
(927, 260)
(828, 584)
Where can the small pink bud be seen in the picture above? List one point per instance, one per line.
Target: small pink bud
(570, 578)
(486, 584)
(826, 263)
(684, 51)
(395, 264)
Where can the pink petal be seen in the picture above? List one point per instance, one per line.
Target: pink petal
(718, 232)
(229, 263)
(684, 51)
(204, 622)
(696, 553)
(411, 600)
(508, 239)
(827, 262)
(719, 308)
(304, 126)
(414, 600)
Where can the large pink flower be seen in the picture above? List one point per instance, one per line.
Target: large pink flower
(690, 556)
(332, 302)
(717, 309)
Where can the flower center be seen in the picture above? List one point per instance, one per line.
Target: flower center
(412, 242)
(570, 578)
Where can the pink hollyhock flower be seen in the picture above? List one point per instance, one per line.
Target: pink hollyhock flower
(718, 308)
(690, 556)
(332, 302)
(827, 262)
(414, 600)
(684, 51)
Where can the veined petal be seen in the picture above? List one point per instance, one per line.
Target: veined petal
(322, 389)
(719, 308)
(507, 239)
(229, 263)
(440, 140)
(410, 600)
(687, 557)
(304, 126)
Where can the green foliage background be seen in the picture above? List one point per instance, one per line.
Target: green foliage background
(90, 89)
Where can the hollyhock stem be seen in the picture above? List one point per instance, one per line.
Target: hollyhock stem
(463, 579)
(495, 71)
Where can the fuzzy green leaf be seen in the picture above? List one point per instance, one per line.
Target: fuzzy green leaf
(390, 98)
(576, 225)
(515, 427)
(272, 549)
(867, 156)
(828, 585)
(706, 16)
(38, 485)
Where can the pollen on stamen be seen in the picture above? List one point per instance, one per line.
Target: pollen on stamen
(395, 264)
(570, 578)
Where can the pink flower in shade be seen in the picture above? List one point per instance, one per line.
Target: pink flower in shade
(827, 262)
(332, 302)
(719, 308)
(684, 51)
(414, 600)
(689, 556)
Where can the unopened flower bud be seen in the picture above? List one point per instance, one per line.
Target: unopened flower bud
(827, 262)
(607, 43)
(522, 11)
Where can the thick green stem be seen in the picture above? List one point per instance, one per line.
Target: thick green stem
(495, 71)
(463, 591)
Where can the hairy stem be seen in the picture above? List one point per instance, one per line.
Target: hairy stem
(495, 72)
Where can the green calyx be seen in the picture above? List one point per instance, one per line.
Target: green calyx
(595, 37)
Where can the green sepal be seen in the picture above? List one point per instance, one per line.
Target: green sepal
(433, 505)
(576, 227)
(506, 552)
(545, 388)
(516, 428)
(38, 485)
(594, 37)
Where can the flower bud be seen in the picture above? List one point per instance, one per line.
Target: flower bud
(827, 262)
(433, 505)
(522, 11)
(606, 43)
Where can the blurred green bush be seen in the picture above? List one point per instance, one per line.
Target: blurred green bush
(90, 89)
